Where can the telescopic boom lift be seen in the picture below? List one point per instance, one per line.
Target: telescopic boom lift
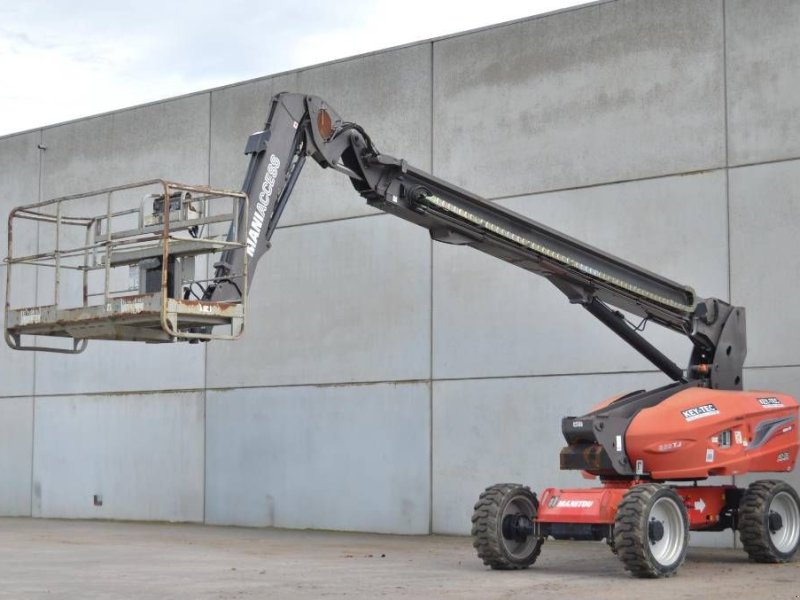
(700, 425)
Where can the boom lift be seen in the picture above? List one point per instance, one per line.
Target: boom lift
(649, 449)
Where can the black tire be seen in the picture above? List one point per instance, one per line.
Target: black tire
(769, 521)
(651, 531)
(494, 505)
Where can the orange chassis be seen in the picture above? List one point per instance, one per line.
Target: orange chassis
(695, 434)
(597, 508)
(649, 450)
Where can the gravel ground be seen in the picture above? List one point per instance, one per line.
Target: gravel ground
(92, 559)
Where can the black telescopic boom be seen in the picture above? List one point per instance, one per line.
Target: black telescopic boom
(299, 125)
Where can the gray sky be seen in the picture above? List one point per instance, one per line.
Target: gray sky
(61, 60)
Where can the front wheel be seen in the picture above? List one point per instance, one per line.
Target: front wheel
(502, 527)
(651, 531)
(769, 521)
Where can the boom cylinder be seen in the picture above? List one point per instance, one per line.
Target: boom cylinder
(615, 321)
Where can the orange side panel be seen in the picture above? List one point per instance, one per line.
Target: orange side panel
(698, 433)
(591, 505)
(704, 504)
(607, 402)
(598, 506)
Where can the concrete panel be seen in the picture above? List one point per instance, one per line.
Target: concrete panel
(16, 446)
(122, 367)
(388, 93)
(615, 91)
(168, 140)
(763, 71)
(236, 112)
(335, 302)
(19, 184)
(16, 368)
(142, 453)
(341, 457)
(765, 260)
(493, 319)
(779, 379)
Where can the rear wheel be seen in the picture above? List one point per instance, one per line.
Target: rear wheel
(502, 527)
(769, 521)
(651, 531)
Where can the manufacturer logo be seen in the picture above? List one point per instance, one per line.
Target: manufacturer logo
(30, 317)
(770, 402)
(577, 424)
(264, 197)
(670, 447)
(126, 307)
(783, 457)
(575, 504)
(552, 502)
(699, 412)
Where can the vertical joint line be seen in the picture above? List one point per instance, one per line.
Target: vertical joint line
(727, 169)
(430, 349)
(36, 301)
(430, 399)
(205, 431)
(205, 349)
(432, 96)
(208, 162)
(727, 142)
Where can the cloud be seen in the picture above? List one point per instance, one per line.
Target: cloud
(61, 61)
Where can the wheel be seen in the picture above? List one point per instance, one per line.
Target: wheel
(502, 527)
(651, 531)
(769, 521)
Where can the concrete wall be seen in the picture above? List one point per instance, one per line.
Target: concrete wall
(400, 377)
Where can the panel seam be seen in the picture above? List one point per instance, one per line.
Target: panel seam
(727, 175)
(205, 350)
(430, 307)
(727, 144)
(425, 380)
(35, 354)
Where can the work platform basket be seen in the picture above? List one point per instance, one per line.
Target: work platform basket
(134, 262)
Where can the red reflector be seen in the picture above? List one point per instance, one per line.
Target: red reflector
(325, 124)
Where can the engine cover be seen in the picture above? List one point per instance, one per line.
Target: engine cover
(698, 433)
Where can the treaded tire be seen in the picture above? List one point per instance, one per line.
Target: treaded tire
(761, 543)
(643, 554)
(494, 504)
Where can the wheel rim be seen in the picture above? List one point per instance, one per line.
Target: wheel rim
(519, 506)
(786, 537)
(667, 549)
